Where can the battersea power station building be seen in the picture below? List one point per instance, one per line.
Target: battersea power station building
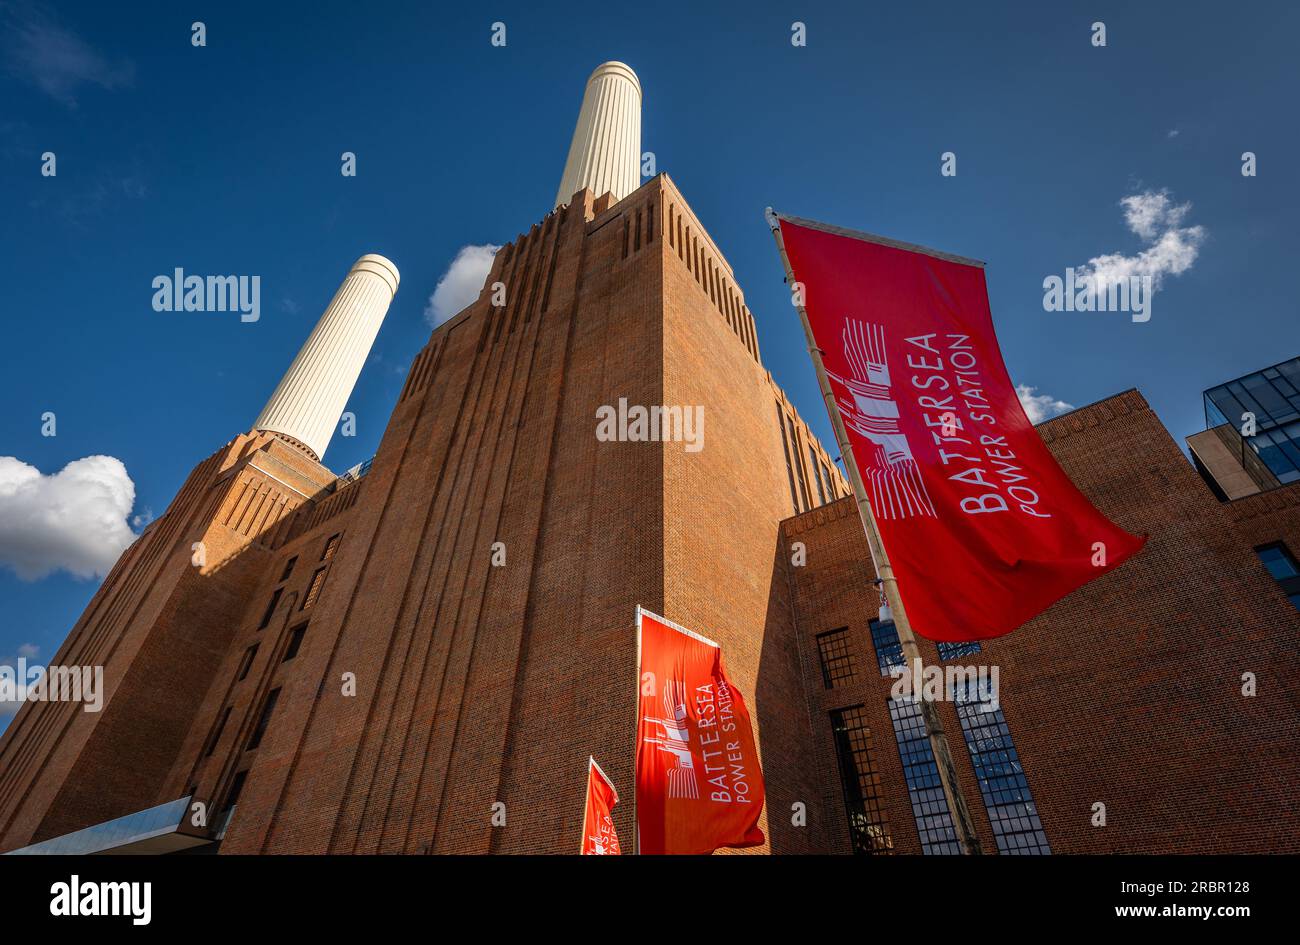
(419, 656)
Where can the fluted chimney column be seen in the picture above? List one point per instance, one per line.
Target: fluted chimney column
(606, 151)
(307, 404)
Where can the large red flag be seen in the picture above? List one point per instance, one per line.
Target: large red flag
(598, 835)
(698, 784)
(983, 528)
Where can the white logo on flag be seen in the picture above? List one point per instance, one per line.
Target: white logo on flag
(604, 842)
(890, 472)
(676, 742)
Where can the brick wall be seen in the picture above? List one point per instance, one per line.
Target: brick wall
(1127, 692)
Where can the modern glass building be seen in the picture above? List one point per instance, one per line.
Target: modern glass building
(1273, 396)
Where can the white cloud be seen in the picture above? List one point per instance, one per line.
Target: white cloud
(74, 520)
(1038, 407)
(55, 59)
(1171, 247)
(28, 651)
(461, 283)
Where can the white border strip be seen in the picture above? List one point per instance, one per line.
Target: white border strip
(881, 240)
(667, 623)
(608, 780)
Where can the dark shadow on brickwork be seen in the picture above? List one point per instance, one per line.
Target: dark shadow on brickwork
(785, 733)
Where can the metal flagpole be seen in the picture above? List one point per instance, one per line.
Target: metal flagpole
(586, 801)
(636, 742)
(966, 836)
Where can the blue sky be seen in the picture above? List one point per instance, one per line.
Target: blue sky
(225, 159)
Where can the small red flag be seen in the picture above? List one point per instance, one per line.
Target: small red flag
(598, 835)
(983, 528)
(698, 783)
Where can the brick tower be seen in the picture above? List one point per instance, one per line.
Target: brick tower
(378, 662)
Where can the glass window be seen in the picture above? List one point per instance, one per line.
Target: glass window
(1267, 397)
(1278, 559)
(288, 568)
(889, 651)
(1213, 415)
(838, 665)
(929, 806)
(1291, 371)
(863, 803)
(1229, 408)
(331, 546)
(1006, 793)
(954, 651)
(1286, 442)
(1248, 403)
(1272, 454)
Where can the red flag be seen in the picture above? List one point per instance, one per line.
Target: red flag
(598, 835)
(698, 784)
(983, 528)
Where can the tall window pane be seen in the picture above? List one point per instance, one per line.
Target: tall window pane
(1006, 793)
(889, 651)
(868, 826)
(929, 806)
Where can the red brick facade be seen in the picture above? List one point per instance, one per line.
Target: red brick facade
(468, 683)
(1129, 691)
(435, 681)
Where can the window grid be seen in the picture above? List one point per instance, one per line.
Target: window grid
(313, 591)
(889, 651)
(331, 546)
(1273, 396)
(954, 651)
(1007, 797)
(838, 665)
(929, 806)
(863, 795)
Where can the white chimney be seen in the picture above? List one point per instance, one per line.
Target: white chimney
(312, 394)
(606, 151)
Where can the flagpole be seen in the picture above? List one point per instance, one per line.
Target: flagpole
(966, 836)
(582, 847)
(636, 741)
